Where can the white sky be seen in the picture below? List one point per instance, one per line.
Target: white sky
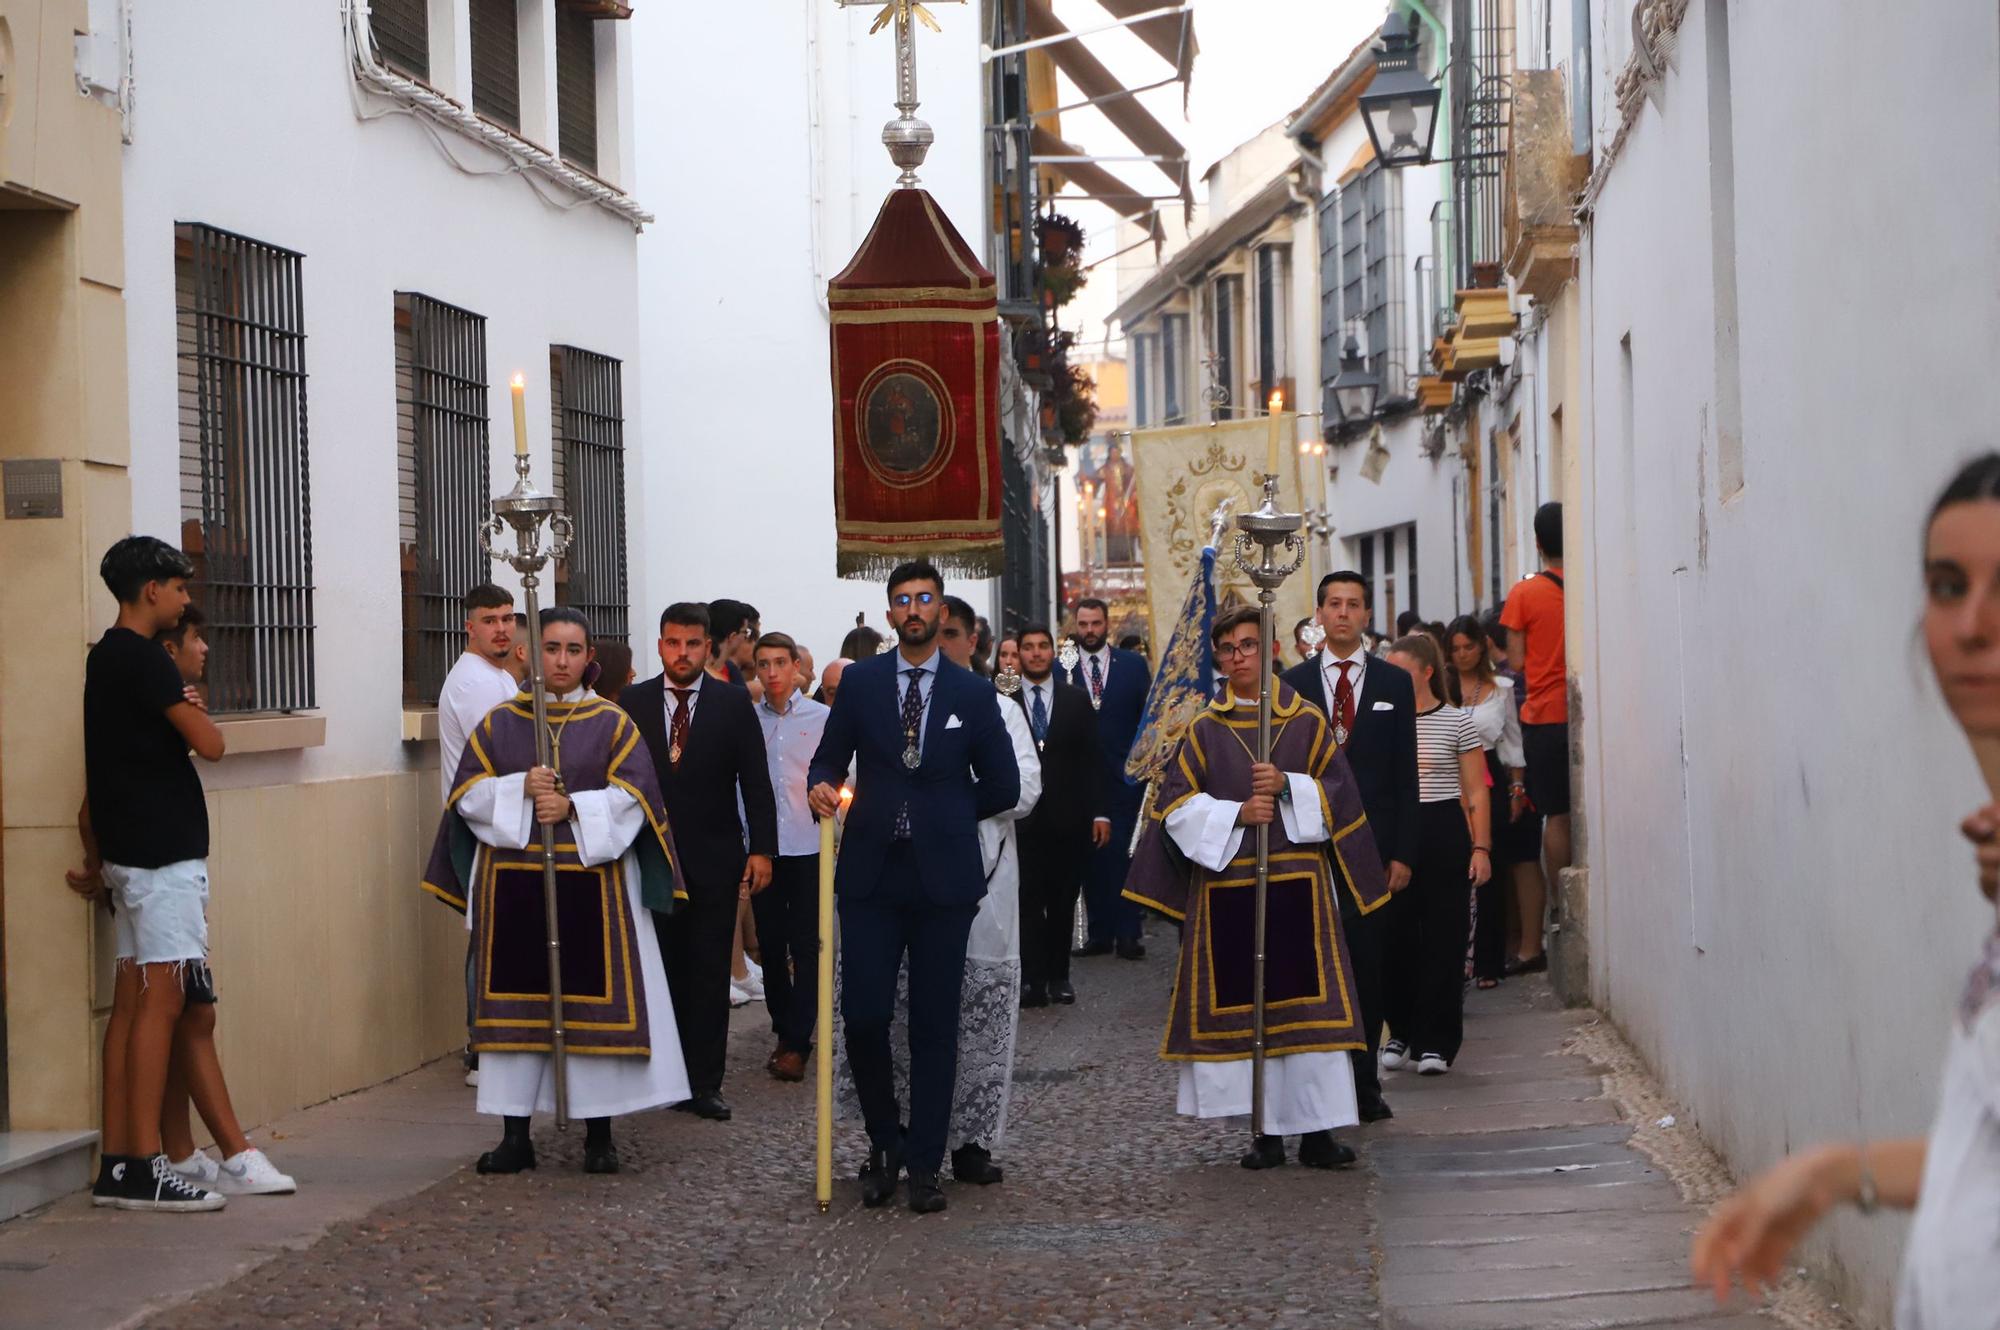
(1259, 59)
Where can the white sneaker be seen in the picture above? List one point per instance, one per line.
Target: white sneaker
(199, 1169)
(1395, 1055)
(1431, 1064)
(472, 1078)
(738, 995)
(751, 983)
(252, 1174)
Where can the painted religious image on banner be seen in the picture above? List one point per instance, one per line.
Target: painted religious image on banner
(1111, 512)
(903, 423)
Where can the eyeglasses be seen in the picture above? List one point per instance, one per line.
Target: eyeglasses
(902, 602)
(1230, 650)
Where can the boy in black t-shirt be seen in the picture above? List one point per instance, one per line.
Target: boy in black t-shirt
(144, 825)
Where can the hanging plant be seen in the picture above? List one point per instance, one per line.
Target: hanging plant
(1060, 238)
(1060, 284)
(1077, 411)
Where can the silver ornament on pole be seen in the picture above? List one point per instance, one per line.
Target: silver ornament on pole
(1268, 550)
(907, 138)
(523, 509)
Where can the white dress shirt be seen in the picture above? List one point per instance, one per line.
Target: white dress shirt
(674, 702)
(1329, 665)
(790, 738)
(474, 687)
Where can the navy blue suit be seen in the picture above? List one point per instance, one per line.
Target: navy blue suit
(914, 896)
(1120, 711)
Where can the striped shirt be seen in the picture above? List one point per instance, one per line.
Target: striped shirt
(1443, 733)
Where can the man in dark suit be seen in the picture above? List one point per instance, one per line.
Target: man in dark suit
(707, 746)
(930, 757)
(1116, 682)
(1374, 712)
(1067, 822)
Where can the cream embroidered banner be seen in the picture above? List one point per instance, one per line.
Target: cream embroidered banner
(1182, 474)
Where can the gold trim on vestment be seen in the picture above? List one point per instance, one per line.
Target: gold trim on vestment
(611, 884)
(851, 295)
(1215, 1007)
(905, 528)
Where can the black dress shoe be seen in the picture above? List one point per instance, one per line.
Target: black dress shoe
(1060, 991)
(603, 1158)
(878, 1177)
(926, 1197)
(1131, 949)
(1375, 1109)
(510, 1156)
(1033, 995)
(972, 1163)
(711, 1106)
(1092, 949)
(1318, 1149)
(1266, 1152)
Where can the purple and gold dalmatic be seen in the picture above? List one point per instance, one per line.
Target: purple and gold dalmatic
(597, 746)
(1310, 1002)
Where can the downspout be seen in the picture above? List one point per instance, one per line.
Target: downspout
(1443, 135)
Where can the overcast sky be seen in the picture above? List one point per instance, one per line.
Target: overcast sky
(1259, 60)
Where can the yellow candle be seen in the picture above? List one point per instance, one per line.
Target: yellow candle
(1277, 405)
(823, 1031)
(520, 386)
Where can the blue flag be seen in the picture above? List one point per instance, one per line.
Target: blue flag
(1184, 683)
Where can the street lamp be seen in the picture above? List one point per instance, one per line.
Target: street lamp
(1400, 107)
(1356, 387)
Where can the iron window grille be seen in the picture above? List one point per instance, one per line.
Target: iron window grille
(1226, 314)
(1271, 368)
(1144, 347)
(496, 61)
(586, 402)
(246, 510)
(576, 87)
(443, 482)
(1481, 69)
(1024, 581)
(402, 32)
(1173, 368)
(1361, 281)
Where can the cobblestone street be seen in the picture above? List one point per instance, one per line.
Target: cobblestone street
(1502, 1196)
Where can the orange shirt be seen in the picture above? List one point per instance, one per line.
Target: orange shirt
(1534, 622)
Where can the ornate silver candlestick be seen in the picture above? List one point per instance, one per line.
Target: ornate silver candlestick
(1263, 538)
(525, 508)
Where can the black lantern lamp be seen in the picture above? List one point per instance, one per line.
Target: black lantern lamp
(1356, 387)
(1400, 107)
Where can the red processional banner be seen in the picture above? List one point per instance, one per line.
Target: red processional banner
(916, 398)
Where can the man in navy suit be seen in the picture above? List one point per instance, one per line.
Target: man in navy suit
(1373, 708)
(930, 757)
(1117, 681)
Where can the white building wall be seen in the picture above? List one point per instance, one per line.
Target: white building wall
(760, 151)
(248, 122)
(1781, 911)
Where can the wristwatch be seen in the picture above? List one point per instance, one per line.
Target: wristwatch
(1284, 791)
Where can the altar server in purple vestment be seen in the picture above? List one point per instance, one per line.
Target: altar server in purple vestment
(1197, 864)
(614, 862)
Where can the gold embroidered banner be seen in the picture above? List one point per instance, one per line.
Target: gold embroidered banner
(1182, 473)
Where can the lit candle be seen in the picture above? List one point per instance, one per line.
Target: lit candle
(520, 384)
(1277, 405)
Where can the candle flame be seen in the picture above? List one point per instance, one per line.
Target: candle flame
(519, 380)
(846, 794)
(1277, 400)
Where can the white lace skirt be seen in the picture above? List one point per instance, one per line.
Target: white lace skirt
(989, 1016)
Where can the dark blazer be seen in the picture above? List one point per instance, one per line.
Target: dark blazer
(1382, 750)
(1119, 714)
(1072, 763)
(967, 773)
(724, 753)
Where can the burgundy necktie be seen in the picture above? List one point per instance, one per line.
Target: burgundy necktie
(678, 733)
(1343, 698)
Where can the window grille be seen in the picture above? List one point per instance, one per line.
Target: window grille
(443, 479)
(1226, 304)
(576, 87)
(1372, 301)
(1332, 338)
(246, 512)
(589, 432)
(1271, 368)
(1481, 68)
(1142, 379)
(402, 32)
(1173, 372)
(496, 62)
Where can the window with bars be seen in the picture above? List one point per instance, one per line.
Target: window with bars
(1272, 371)
(1225, 307)
(496, 61)
(1173, 368)
(443, 483)
(402, 32)
(1144, 348)
(576, 87)
(586, 403)
(246, 512)
(1364, 291)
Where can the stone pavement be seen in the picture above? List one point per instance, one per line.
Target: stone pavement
(1502, 1196)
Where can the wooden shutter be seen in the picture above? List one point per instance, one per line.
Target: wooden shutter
(496, 62)
(402, 31)
(576, 88)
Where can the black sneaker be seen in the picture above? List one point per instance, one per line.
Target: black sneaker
(152, 1184)
(111, 1170)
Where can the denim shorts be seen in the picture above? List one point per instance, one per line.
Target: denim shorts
(162, 913)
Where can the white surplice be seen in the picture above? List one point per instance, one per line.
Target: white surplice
(607, 822)
(1302, 1091)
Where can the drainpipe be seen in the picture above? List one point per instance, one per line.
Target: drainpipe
(1443, 134)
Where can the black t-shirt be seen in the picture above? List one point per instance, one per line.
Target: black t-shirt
(146, 805)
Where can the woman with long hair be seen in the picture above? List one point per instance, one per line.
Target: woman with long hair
(1517, 828)
(1430, 920)
(1951, 1266)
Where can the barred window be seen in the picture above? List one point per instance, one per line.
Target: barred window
(1272, 370)
(402, 32)
(443, 487)
(1363, 292)
(496, 61)
(588, 427)
(576, 87)
(1144, 348)
(246, 512)
(1173, 368)
(1225, 315)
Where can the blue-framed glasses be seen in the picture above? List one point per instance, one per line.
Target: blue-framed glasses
(902, 602)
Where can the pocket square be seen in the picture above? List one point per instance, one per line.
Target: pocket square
(1385, 706)
(953, 723)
